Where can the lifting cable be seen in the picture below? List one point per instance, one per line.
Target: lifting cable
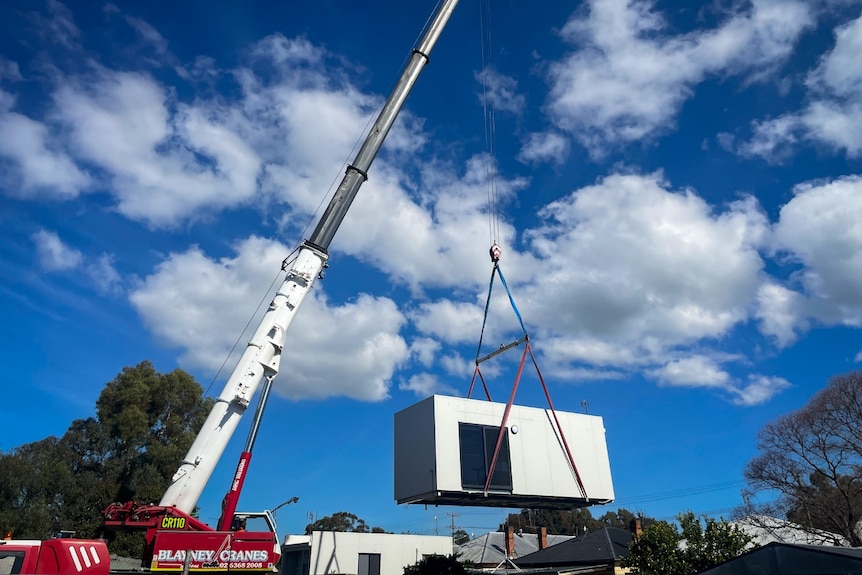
(495, 253)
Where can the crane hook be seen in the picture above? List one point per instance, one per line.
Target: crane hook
(496, 251)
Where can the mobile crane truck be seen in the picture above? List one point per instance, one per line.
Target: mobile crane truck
(175, 540)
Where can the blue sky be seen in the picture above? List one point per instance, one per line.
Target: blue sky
(679, 208)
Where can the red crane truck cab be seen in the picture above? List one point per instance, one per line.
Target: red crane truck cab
(62, 556)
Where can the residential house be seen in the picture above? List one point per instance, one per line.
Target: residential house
(498, 549)
(598, 552)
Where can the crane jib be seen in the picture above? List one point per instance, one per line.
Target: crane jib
(263, 353)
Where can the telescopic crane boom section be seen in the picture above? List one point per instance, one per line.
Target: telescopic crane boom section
(261, 358)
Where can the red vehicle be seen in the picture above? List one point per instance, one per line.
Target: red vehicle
(54, 556)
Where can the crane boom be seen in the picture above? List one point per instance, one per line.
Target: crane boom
(262, 355)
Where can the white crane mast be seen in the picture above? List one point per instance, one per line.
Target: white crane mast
(262, 355)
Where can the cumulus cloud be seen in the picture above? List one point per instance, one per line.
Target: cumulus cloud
(452, 321)
(425, 384)
(544, 147)
(630, 260)
(165, 162)
(53, 254)
(35, 163)
(694, 371)
(780, 311)
(702, 371)
(834, 114)
(500, 92)
(424, 349)
(628, 77)
(758, 389)
(820, 230)
(199, 305)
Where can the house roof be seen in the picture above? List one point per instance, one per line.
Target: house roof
(490, 548)
(792, 559)
(605, 545)
(764, 529)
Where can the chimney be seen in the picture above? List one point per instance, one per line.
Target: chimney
(543, 538)
(510, 541)
(635, 527)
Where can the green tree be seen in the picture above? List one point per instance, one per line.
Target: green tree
(559, 522)
(437, 565)
(145, 422)
(656, 551)
(812, 459)
(341, 521)
(574, 522)
(697, 544)
(33, 502)
(459, 537)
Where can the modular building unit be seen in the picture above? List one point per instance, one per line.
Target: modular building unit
(444, 446)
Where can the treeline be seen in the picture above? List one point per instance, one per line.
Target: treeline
(571, 522)
(144, 424)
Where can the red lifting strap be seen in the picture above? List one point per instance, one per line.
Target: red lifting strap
(574, 468)
(495, 257)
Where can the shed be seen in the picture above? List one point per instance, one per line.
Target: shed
(793, 559)
(444, 447)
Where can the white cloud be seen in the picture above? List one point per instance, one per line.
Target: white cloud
(628, 78)
(451, 321)
(759, 389)
(780, 311)
(544, 147)
(834, 114)
(694, 371)
(772, 140)
(631, 262)
(163, 166)
(435, 239)
(53, 254)
(424, 349)
(104, 276)
(701, 371)
(500, 92)
(200, 305)
(425, 384)
(35, 164)
(820, 229)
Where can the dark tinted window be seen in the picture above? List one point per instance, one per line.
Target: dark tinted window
(477, 444)
(369, 564)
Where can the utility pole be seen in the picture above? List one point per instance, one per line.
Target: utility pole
(452, 528)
